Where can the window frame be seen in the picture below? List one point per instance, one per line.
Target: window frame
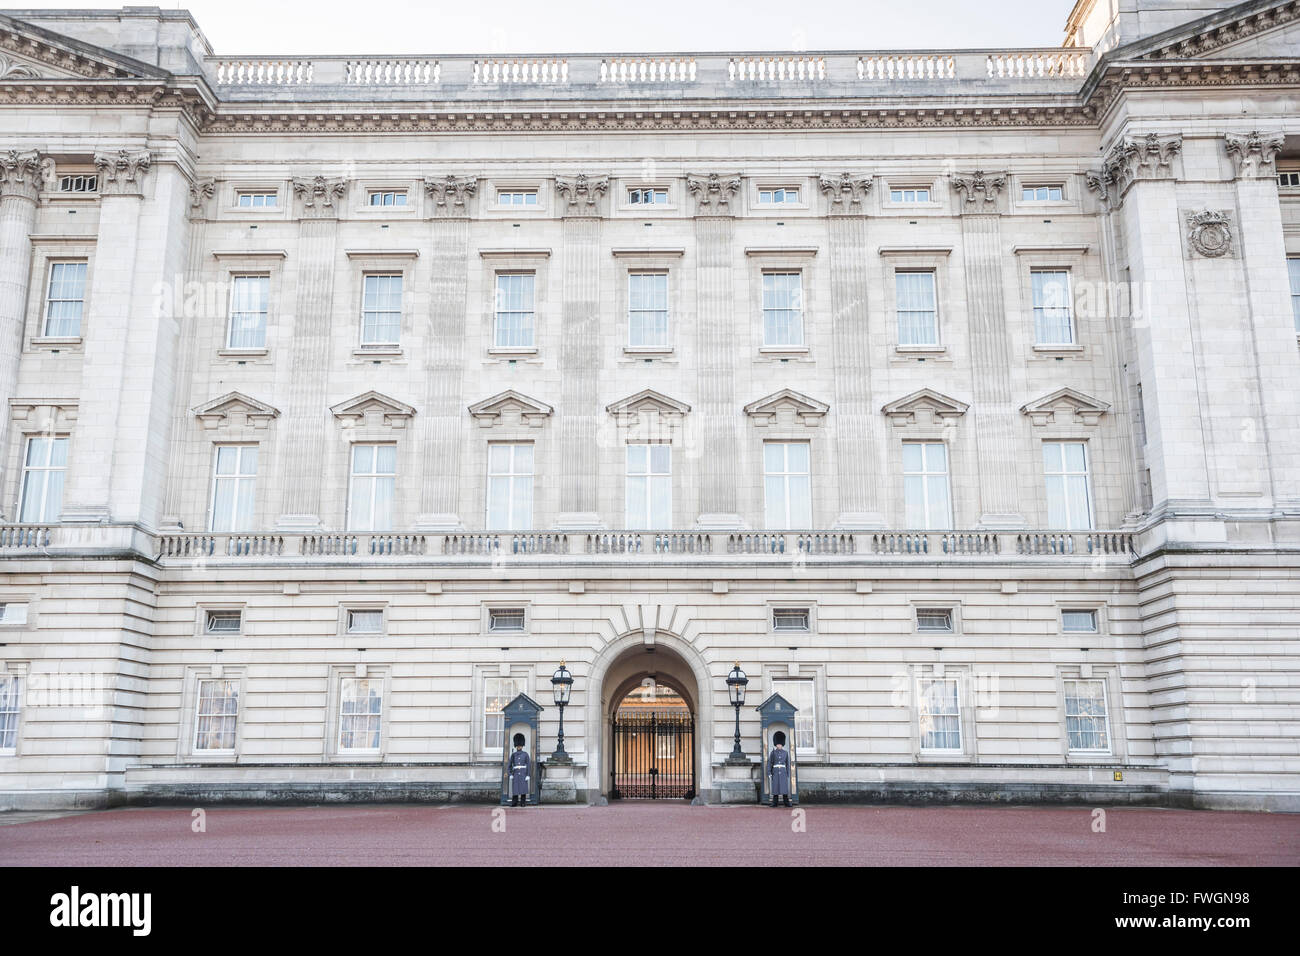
(922, 712)
(655, 191)
(786, 476)
(1109, 749)
(933, 274)
(252, 192)
(653, 479)
(17, 712)
(45, 470)
(902, 189)
(1293, 277)
(485, 717)
(798, 201)
(400, 312)
(511, 477)
(533, 191)
(373, 476)
(239, 478)
(211, 614)
(235, 279)
(379, 716)
(1035, 185)
(199, 716)
(666, 344)
(1065, 473)
(498, 311)
(925, 475)
(812, 712)
(51, 264)
(798, 310)
(1036, 309)
(382, 193)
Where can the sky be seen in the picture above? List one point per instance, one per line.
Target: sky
(393, 27)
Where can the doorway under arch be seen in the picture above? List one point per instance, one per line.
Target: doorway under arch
(653, 754)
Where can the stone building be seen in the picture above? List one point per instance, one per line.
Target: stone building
(951, 393)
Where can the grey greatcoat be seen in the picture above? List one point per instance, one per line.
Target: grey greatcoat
(778, 768)
(520, 771)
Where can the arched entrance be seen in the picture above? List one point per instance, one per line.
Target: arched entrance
(653, 733)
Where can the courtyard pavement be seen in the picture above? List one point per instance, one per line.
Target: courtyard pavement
(649, 834)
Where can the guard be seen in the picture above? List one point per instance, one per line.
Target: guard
(778, 769)
(521, 771)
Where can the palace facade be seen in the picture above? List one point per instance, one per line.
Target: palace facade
(953, 394)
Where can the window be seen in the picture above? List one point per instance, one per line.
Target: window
(381, 310)
(234, 477)
(249, 296)
(1293, 267)
(1069, 505)
(787, 485)
(782, 308)
(66, 299)
(925, 486)
(649, 487)
(787, 195)
(940, 720)
(1049, 193)
(647, 196)
(934, 619)
(9, 708)
(506, 619)
(515, 309)
(80, 183)
(910, 194)
(1079, 622)
(386, 197)
(647, 310)
(1288, 178)
(790, 619)
(917, 315)
(1085, 716)
(374, 481)
(218, 712)
(800, 694)
(257, 200)
(367, 621)
(11, 614)
(1053, 323)
(361, 707)
(517, 197)
(497, 692)
(510, 487)
(44, 467)
(223, 622)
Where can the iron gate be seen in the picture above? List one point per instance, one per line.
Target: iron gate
(654, 757)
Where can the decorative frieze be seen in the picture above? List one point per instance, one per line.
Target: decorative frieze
(450, 194)
(979, 191)
(20, 173)
(580, 195)
(1209, 233)
(1254, 154)
(713, 193)
(318, 195)
(845, 192)
(121, 172)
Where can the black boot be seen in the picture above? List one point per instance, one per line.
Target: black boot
(514, 801)
(787, 800)
(774, 801)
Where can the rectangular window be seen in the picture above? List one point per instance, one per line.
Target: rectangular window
(44, 467)
(249, 302)
(223, 622)
(66, 299)
(506, 619)
(1085, 716)
(510, 487)
(361, 708)
(9, 711)
(1079, 622)
(1293, 268)
(801, 694)
(934, 619)
(649, 487)
(787, 195)
(497, 692)
(910, 194)
(647, 310)
(13, 613)
(790, 619)
(367, 621)
(80, 183)
(1053, 321)
(234, 481)
(1050, 193)
(381, 310)
(1069, 502)
(651, 196)
(386, 197)
(787, 484)
(782, 308)
(217, 715)
(373, 485)
(515, 310)
(257, 200)
(517, 197)
(1288, 178)
(940, 720)
(925, 486)
(917, 314)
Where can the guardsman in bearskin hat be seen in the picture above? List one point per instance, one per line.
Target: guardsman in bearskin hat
(521, 771)
(778, 769)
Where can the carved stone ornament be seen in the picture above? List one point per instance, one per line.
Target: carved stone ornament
(713, 192)
(979, 191)
(121, 172)
(1254, 155)
(450, 193)
(845, 191)
(1133, 158)
(318, 194)
(20, 173)
(14, 70)
(581, 193)
(1209, 233)
(201, 191)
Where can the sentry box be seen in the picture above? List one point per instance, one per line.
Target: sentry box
(777, 716)
(521, 716)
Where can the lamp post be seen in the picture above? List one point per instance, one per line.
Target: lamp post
(561, 688)
(736, 682)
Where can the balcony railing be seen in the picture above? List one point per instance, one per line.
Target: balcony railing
(54, 540)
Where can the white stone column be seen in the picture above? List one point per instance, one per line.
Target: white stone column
(19, 187)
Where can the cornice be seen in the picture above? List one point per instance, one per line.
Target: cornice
(1217, 31)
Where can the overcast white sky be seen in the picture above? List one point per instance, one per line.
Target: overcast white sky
(588, 26)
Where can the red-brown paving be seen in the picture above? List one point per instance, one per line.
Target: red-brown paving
(653, 834)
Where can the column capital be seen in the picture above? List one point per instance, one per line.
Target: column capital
(451, 195)
(980, 192)
(1254, 154)
(318, 195)
(1148, 156)
(20, 173)
(121, 171)
(845, 192)
(713, 193)
(581, 195)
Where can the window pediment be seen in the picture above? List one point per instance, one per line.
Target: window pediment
(43, 414)
(924, 407)
(648, 402)
(787, 404)
(234, 409)
(373, 409)
(1065, 405)
(510, 406)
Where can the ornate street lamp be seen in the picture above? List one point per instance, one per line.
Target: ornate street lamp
(736, 682)
(561, 688)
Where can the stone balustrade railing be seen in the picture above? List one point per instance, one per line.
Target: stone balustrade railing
(26, 540)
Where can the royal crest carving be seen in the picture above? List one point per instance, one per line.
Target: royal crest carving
(121, 172)
(845, 191)
(1209, 233)
(318, 194)
(450, 193)
(1254, 155)
(580, 194)
(713, 192)
(20, 173)
(979, 191)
